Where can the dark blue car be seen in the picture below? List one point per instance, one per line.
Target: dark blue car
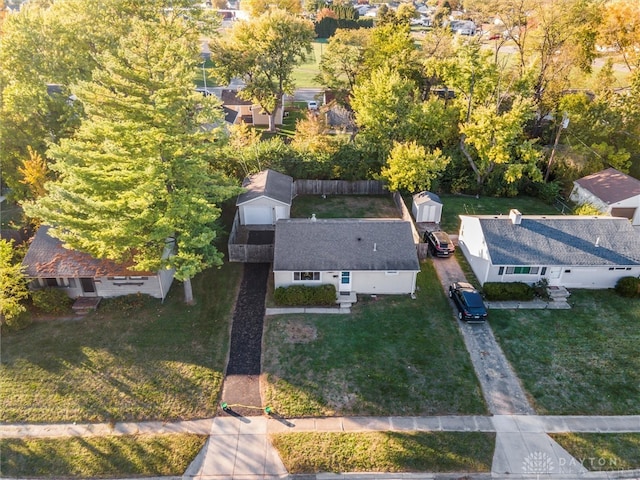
(468, 301)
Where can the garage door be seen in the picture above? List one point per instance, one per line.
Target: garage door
(257, 216)
(623, 212)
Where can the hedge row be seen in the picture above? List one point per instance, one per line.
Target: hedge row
(628, 287)
(298, 295)
(508, 291)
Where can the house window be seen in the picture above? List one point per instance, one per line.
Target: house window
(543, 271)
(306, 276)
(522, 270)
(501, 271)
(138, 278)
(567, 271)
(72, 282)
(50, 282)
(116, 278)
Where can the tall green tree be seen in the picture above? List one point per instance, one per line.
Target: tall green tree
(13, 285)
(263, 52)
(134, 180)
(412, 168)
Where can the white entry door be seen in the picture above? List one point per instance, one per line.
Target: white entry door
(345, 282)
(554, 276)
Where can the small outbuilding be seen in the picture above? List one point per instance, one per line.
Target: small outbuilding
(267, 198)
(427, 207)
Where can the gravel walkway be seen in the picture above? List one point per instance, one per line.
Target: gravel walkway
(248, 317)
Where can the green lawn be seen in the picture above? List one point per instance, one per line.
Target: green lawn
(385, 452)
(137, 361)
(454, 205)
(391, 356)
(304, 74)
(602, 451)
(344, 206)
(91, 457)
(582, 361)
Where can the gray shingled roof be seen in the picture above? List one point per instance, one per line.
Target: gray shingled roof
(610, 185)
(561, 240)
(47, 258)
(344, 244)
(424, 197)
(267, 183)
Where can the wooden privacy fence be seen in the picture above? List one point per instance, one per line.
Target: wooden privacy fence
(245, 252)
(339, 187)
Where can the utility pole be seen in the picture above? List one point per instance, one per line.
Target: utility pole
(562, 126)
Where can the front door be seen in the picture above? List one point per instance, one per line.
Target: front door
(88, 287)
(345, 282)
(554, 276)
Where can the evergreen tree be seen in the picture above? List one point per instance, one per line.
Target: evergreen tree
(135, 180)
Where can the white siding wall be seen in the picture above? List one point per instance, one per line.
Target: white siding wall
(114, 288)
(269, 209)
(364, 282)
(471, 241)
(580, 196)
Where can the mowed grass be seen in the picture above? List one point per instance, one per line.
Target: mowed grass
(602, 451)
(454, 205)
(304, 75)
(90, 457)
(582, 361)
(344, 206)
(392, 355)
(385, 452)
(128, 361)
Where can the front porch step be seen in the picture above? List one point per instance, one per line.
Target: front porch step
(84, 305)
(345, 300)
(558, 293)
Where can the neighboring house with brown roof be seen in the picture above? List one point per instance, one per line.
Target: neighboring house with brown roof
(612, 192)
(49, 264)
(267, 198)
(246, 109)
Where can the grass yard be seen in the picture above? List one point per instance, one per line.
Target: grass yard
(129, 361)
(582, 361)
(385, 452)
(602, 451)
(454, 205)
(344, 206)
(304, 74)
(90, 457)
(391, 356)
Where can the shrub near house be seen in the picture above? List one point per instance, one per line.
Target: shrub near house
(297, 295)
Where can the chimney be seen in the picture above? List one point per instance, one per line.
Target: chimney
(313, 217)
(515, 216)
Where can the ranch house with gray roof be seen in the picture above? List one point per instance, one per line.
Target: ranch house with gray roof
(357, 256)
(569, 251)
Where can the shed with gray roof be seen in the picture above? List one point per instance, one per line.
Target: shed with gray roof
(426, 207)
(267, 198)
(367, 256)
(569, 251)
(610, 191)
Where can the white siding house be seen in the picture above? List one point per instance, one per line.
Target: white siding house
(612, 192)
(357, 256)
(49, 264)
(267, 198)
(569, 251)
(426, 207)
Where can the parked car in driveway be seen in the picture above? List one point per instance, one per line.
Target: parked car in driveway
(440, 245)
(468, 301)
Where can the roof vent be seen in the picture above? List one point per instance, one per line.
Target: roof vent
(375, 247)
(515, 216)
(313, 217)
(597, 244)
